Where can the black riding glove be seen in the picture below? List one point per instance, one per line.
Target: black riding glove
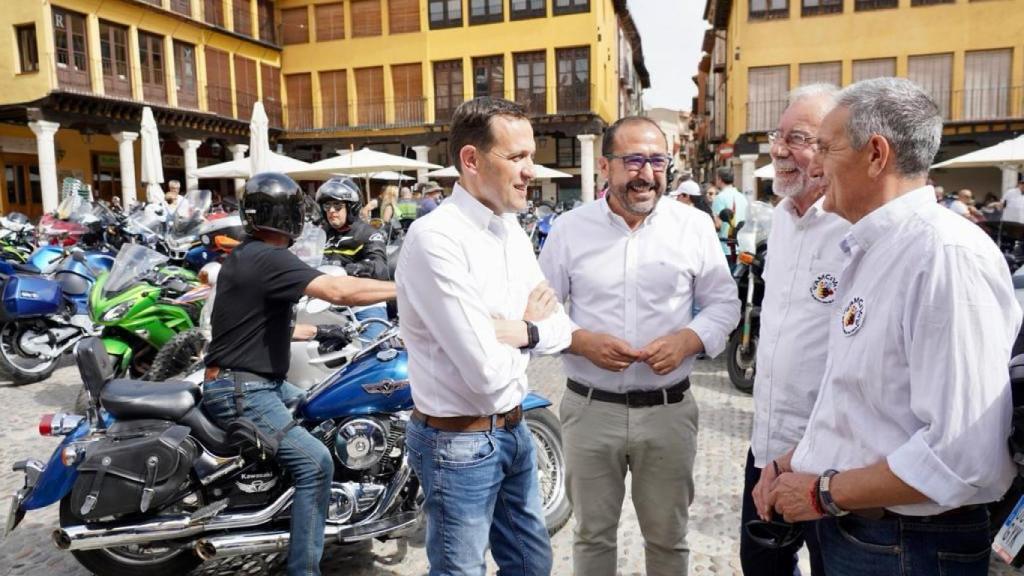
(329, 332)
(357, 269)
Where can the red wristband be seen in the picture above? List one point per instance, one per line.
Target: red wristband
(815, 502)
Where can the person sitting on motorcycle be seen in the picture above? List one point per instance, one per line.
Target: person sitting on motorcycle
(353, 244)
(248, 356)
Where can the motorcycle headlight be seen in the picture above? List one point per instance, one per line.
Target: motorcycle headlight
(117, 312)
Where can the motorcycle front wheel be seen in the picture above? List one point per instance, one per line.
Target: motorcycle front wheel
(15, 364)
(547, 442)
(742, 365)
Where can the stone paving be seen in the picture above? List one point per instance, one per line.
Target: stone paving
(725, 419)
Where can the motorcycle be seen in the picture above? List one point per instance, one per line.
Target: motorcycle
(149, 485)
(752, 247)
(545, 219)
(17, 237)
(182, 235)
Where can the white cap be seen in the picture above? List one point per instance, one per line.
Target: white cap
(689, 187)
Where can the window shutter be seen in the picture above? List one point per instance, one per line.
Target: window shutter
(295, 26)
(245, 86)
(370, 95)
(875, 68)
(766, 96)
(403, 16)
(330, 22)
(987, 84)
(300, 101)
(334, 95)
(218, 82)
(271, 81)
(407, 80)
(365, 18)
(821, 73)
(933, 73)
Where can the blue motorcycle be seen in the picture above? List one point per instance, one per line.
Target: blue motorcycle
(44, 309)
(148, 485)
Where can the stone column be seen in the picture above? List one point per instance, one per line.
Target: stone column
(587, 166)
(748, 179)
(1009, 179)
(46, 150)
(238, 153)
(189, 147)
(422, 155)
(126, 151)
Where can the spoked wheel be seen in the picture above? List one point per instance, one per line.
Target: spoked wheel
(547, 441)
(178, 356)
(17, 361)
(741, 364)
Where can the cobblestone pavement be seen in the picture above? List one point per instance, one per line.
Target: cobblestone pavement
(725, 419)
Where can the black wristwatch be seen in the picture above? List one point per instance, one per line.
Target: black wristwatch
(532, 335)
(825, 495)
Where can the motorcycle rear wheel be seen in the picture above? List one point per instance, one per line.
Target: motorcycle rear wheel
(742, 366)
(547, 441)
(14, 365)
(177, 357)
(129, 560)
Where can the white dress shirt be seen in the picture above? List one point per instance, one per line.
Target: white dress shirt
(460, 266)
(919, 342)
(802, 273)
(1014, 210)
(640, 285)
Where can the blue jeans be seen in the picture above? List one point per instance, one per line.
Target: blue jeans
(480, 487)
(304, 457)
(375, 329)
(758, 560)
(956, 545)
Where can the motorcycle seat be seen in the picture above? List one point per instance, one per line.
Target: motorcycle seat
(128, 399)
(25, 268)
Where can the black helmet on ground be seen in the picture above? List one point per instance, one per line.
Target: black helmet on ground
(273, 202)
(341, 189)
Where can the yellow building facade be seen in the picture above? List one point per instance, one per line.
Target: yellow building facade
(968, 54)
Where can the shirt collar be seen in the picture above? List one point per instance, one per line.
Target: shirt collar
(480, 216)
(876, 224)
(813, 211)
(617, 220)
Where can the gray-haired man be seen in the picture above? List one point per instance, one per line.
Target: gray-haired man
(907, 440)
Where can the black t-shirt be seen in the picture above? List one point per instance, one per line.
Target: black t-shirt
(257, 288)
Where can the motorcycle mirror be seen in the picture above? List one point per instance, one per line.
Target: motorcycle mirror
(317, 306)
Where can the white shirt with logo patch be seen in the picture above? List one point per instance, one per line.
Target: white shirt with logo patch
(919, 342)
(802, 272)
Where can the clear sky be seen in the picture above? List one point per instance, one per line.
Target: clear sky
(671, 32)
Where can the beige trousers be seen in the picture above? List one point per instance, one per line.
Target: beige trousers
(657, 445)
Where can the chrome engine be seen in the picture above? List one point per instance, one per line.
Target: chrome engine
(368, 444)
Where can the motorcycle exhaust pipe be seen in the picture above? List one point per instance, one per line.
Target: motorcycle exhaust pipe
(244, 544)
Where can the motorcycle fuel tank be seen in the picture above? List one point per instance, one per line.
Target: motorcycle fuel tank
(373, 383)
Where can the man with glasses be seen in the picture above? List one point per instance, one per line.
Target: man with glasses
(801, 278)
(633, 268)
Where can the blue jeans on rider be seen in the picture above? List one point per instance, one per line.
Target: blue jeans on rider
(375, 329)
(307, 460)
(955, 545)
(480, 488)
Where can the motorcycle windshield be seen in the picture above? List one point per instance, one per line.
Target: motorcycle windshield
(133, 262)
(309, 246)
(146, 220)
(189, 214)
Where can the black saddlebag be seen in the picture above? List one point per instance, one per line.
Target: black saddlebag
(139, 466)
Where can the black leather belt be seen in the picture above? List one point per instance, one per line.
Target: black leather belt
(884, 514)
(638, 399)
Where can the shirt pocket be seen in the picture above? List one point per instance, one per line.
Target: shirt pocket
(821, 280)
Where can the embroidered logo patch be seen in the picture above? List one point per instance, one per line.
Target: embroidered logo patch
(853, 316)
(824, 288)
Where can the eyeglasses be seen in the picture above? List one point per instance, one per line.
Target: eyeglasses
(635, 162)
(793, 140)
(774, 533)
(333, 206)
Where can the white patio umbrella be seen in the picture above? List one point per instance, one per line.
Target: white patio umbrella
(1008, 153)
(540, 173)
(389, 176)
(363, 161)
(767, 172)
(242, 168)
(152, 161)
(259, 140)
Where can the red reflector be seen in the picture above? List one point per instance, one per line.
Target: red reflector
(46, 425)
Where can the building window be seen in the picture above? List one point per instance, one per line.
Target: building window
(934, 73)
(531, 81)
(151, 60)
(243, 16)
(300, 101)
(246, 86)
(295, 25)
(769, 9)
(567, 152)
(403, 16)
(71, 50)
(185, 79)
(365, 18)
(182, 7)
(448, 89)
(28, 52)
(573, 79)
(987, 91)
(522, 9)
(445, 13)
(370, 96)
(874, 68)
(862, 5)
(117, 80)
(767, 91)
(218, 82)
(816, 7)
(265, 11)
(407, 83)
(821, 73)
(485, 11)
(334, 95)
(930, 2)
(213, 12)
(330, 22)
(571, 6)
(270, 78)
(489, 76)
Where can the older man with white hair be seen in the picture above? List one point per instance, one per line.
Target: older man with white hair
(804, 263)
(907, 440)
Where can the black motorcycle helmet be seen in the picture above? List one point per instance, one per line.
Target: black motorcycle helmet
(272, 201)
(344, 189)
